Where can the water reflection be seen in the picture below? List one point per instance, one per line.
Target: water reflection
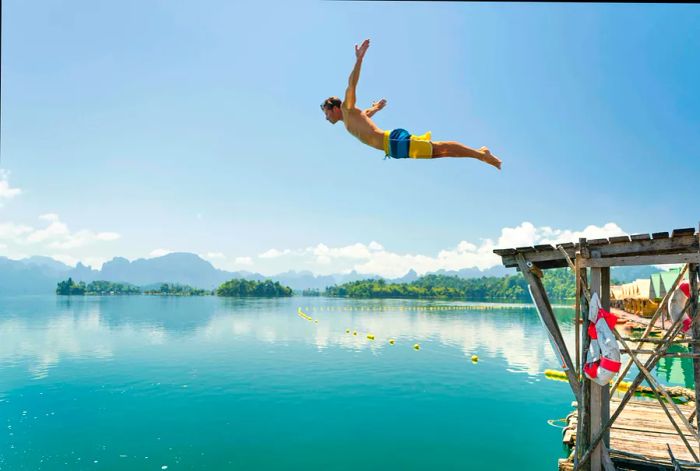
(676, 370)
(104, 327)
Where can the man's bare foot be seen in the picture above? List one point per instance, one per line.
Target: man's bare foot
(490, 159)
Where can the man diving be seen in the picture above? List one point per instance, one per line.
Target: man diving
(398, 143)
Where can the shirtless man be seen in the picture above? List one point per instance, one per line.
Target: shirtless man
(398, 143)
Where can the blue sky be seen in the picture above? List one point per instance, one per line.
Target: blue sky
(137, 128)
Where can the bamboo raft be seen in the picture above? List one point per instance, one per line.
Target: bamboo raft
(639, 435)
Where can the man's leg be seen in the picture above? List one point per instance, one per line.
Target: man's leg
(455, 149)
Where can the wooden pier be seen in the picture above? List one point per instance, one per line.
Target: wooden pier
(636, 435)
(640, 434)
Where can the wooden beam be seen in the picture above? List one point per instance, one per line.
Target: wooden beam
(640, 237)
(684, 231)
(663, 259)
(680, 245)
(615, 240)
(544, 309)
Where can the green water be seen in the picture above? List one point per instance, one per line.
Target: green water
(144, 383)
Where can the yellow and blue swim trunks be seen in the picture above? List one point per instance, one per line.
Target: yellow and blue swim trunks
(400, 144)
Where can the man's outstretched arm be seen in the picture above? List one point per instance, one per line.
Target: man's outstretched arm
(350, 97)
(376, 106)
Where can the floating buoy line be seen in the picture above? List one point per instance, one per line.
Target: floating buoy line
(370, 336)
(466, 307)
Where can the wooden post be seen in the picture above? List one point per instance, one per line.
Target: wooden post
(605, 396)
(693, 276)
(600, 395)
(577, 318)
(583, 431)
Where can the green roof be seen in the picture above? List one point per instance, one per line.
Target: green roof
(668, 277)
(656, 283)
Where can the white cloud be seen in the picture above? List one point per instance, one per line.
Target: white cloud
(56, 235)
(214, 255)
(51, 217)
(274, 253)
(11, 231)
(107, 236)
(244, 261)
(373, 258)
(6, 191)
(55, 230)
(375, 246)
(54, 238)
(159, 252)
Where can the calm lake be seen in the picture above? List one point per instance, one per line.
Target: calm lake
(154, 383)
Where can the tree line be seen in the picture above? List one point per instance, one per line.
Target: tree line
(232, 288)
(559, 283)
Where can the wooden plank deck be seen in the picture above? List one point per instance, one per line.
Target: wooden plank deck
(638, 321)
(641, 429)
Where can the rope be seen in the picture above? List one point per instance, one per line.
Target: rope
(552, 423)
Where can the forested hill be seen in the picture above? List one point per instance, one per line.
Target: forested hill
(560, 284)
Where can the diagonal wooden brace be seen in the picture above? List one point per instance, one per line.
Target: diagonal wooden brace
(539, 297)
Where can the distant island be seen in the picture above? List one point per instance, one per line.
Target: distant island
(251, 288)
(560, 284)
(231, 288)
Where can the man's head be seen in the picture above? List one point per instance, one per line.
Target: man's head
(331, 108)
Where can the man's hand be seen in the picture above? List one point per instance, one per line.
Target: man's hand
(378, 105)
(360, 51)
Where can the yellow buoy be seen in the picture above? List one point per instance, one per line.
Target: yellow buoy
(391, 341)
(347, 331)
(370, 336)
(316, 321)
(416, 346)
(354, 333)
(475, 358)
(556, 375)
